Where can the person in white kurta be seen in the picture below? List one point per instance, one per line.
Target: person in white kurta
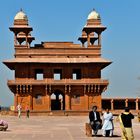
(19, 110)
(108, 123)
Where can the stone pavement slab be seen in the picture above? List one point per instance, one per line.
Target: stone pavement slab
(54, 128)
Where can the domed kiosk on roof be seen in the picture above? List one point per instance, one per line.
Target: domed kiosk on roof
(21, 18)
(21, 15)
(21, 30)
(91, 32)
(93, 15)
(93, 18)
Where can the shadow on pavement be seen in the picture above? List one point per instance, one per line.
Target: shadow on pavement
(102, 136)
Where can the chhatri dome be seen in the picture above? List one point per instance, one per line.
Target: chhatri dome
(93, 15)
(21, 16)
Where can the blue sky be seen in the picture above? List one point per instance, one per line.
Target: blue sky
(63, 20)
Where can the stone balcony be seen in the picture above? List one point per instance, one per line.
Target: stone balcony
(58, 82)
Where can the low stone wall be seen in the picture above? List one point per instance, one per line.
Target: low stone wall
(7, 113)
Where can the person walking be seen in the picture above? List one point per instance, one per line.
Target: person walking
(95, 120)
(27, 112)
(107, 123)
(126, 124)
(19, 110)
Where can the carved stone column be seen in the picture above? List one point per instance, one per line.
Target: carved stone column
(26, 39)
(88, 40)
(126, 102)
(31, 101)
(67, 101)
(16, 97)
(67, 97)
(86, 101)
(49, 101)
(15, 39)
(48, 97)
(137, 105)
(112, 104)
(99, 39)
(15, 100)
(86, 98)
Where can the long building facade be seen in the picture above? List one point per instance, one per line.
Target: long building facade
(58, 75)
(118, 104)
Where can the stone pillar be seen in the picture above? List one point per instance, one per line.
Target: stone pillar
(67, 101)
(15, 100)
(137, 105)
(99, 39)
(31, 101)
(26, 39)
(70, 101)
(86, 101)
(15, 39)
(48, 96)
(48, 100)
(88, 39)
(112, 104)
(126, 102)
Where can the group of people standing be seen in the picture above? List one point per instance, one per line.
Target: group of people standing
(19, 108)
(4, 124)
(107, 126)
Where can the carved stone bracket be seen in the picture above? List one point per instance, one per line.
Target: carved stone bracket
(95, 88)
(66, 88)
(88, 88)
(84, 89)
(30, 88)
(20, 88)
(46, 88)
(98, 88)
(23, 88)
(27, 88)
(91, 88)
(69, 88)
(105, 88)
(50, 88)
(16, 88)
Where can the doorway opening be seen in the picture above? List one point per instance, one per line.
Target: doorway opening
(57, 100)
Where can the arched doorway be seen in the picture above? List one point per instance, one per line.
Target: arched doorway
(57, 100)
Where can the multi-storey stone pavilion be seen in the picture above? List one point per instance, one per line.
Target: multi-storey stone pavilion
(57, 75)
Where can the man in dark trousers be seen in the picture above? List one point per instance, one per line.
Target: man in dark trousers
(126, 125)
(95, 120)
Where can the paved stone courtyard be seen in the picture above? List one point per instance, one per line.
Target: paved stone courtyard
(54, 128)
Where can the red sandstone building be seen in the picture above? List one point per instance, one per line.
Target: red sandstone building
(57, 75)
